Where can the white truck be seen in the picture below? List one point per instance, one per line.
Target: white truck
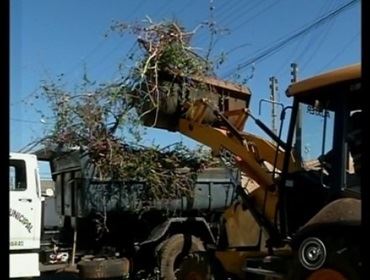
(25, 215)
(149, 245)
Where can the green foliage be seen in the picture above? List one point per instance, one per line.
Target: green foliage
(164, 67)
(104, 120)
(102, 123)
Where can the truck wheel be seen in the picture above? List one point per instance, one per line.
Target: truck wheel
(174, 250)
(335, 259)
(199, 266)
(103, 268)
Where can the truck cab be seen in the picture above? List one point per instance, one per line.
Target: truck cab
(24, 215)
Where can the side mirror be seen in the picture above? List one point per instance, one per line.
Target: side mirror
(48, 193)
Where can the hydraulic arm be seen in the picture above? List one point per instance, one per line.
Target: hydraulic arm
(256, 157)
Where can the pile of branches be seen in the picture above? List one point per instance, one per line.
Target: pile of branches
(104, 121)
(161, 80)
(106, 129)
(168, 173)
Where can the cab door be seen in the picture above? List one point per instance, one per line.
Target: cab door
(25, 203)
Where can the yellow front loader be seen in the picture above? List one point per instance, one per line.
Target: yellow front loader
(296, 210)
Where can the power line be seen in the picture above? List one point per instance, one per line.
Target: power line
(243, 8)
(134, 48)
(249, 18)
(98, 45)
(104, 58)
(24, 121)
(319, 44)
(26, 97)
(186, 6)
(136, 8)
(255, 15)
(294, 55)
(242, 14)
(84, 58)
(349, 42)
(264, 53)
(41, 121)
(101, 42)
(316, 38)
(162, 10)
(219, 22)
(219, 9)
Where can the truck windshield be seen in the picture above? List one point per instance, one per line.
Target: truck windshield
(17, 175)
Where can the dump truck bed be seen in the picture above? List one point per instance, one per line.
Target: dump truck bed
(79, 191)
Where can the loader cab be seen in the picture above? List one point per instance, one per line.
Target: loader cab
(330, 107)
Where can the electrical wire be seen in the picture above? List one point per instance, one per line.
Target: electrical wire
(26, 97)
(339, 53)
(240, 7)
(134, 48)
(256, 15)
(100, 43)
(106, 56)
(222, 8)
(136, 8)
(88, 55)
(242, 14)
(314, 39)
(24, 121)
(219, 23)
(282, 42)
(161, 11)
(187, 5)
(294, 56)
(318, 45)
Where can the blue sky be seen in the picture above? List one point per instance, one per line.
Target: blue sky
(50, 37)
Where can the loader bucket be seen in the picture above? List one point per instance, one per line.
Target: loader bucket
(229, 98)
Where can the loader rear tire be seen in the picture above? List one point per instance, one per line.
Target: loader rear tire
(337, 271)
(174, 250)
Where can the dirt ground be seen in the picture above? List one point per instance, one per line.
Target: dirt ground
(59, 276)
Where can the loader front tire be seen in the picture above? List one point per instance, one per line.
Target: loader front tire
(173, 252)
(200, 266)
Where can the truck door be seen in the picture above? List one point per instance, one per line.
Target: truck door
(25, 203)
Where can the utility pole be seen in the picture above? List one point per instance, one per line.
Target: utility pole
(274, 90)
(298, 125)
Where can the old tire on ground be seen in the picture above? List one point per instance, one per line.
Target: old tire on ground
(342, 262)
(200, 266)
(103, 268)
(174, 250)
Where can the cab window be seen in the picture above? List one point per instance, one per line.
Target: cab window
(17, 175)
(317, 133)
